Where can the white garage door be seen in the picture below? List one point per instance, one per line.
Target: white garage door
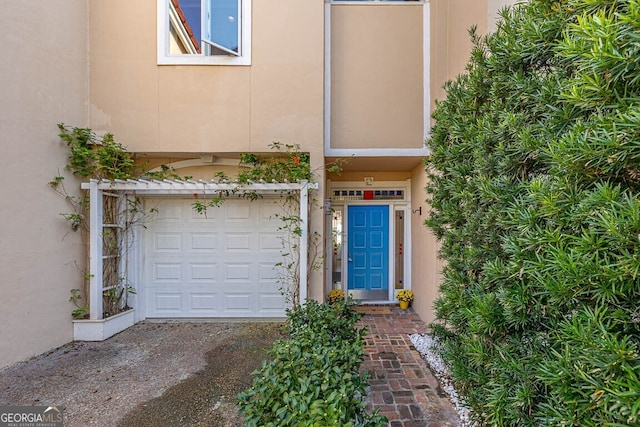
(218, 265)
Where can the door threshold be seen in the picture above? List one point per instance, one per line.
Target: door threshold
(375, 302)
(363, 295)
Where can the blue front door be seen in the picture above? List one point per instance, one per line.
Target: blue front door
(368, 251)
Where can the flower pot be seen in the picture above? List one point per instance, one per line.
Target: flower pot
(100, 330)
(404, 305)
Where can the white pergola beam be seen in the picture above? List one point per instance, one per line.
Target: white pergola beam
(95, 250)
(191, 186)
(304, 242)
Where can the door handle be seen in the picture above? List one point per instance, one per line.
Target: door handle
(349, 258)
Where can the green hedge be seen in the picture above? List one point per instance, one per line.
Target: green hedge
(535, 195)
(312, 378)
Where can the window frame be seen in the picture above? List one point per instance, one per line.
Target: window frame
(164, 58)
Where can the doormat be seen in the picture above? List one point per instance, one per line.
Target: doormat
(373, 309)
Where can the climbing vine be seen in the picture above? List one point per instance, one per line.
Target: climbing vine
(101, 157)
(95, 157)
(287, 164)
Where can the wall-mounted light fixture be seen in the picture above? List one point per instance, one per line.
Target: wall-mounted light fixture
(418, 211)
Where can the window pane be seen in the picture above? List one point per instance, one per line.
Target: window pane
(204, 32)
(399, 249)
(336, 264)
(222, 20)
(184, 26)
(191, 9)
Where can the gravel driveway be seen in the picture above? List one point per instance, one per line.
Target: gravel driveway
(153, 374)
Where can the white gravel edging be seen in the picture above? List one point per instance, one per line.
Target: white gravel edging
(426, 344)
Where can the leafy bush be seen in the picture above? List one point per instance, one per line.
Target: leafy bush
(312, 378)
(96, 157)
(534, 183)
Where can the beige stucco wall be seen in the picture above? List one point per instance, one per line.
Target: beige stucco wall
(450, 43)
(169, 108)
(378, 176)
(377, 74)
(426, 267)
(493, 11)
(43, 80)
(212, 109)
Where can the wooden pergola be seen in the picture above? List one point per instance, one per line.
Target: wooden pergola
(98, 189)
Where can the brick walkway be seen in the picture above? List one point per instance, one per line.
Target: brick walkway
(402, 385)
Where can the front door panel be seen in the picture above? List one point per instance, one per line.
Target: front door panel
(368, 252)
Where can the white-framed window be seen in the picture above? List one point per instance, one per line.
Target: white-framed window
(204, 32)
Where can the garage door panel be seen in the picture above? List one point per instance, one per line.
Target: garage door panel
(168, 302)
(271, 302)
(221, 265)
(191, 216)
(270, 242)
(208, 272)
(169, 213)
(167, 272)
(238, 301)
(237, 242)
(203, 241)
(267, 273)
(238, 213)
(237, 272)
(208, 302)
(270, 210)
(168, 242)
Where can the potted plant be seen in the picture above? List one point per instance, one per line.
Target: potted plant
(405, 296)
(117, 315)
(335, 296)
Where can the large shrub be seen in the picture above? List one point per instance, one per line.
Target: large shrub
(534, 188)
(313, 376)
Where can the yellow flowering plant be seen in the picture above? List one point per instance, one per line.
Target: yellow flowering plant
(335, 296)
(405, 295)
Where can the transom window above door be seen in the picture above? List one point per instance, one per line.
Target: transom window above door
(366, 194)
(201, 32)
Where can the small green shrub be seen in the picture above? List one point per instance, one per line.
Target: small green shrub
(313, 377)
